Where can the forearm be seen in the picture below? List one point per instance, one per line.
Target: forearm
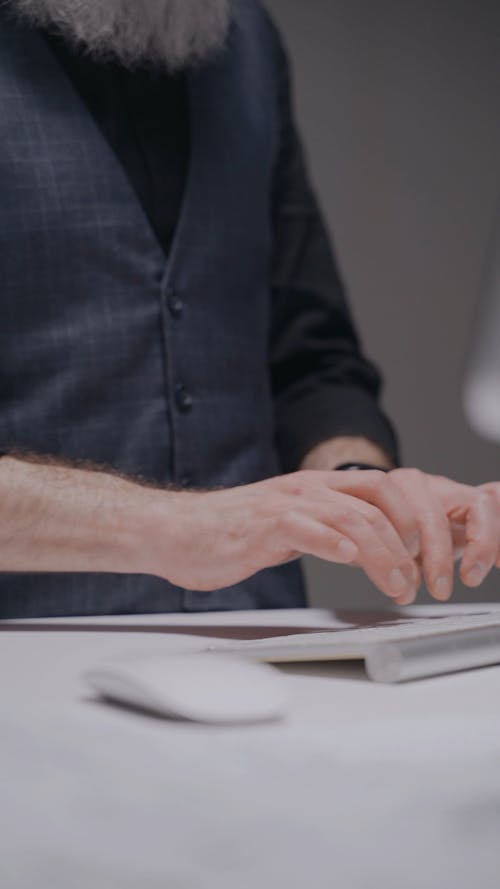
(56, 518)
(59, 518)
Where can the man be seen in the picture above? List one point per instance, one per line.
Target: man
(172, 316)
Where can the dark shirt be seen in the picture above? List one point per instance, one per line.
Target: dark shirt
(323, 386)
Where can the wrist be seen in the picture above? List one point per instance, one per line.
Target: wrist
(346, 450)
(152, 536)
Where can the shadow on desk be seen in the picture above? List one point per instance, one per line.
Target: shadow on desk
(347, 620)
(353, 670)
(239, 631)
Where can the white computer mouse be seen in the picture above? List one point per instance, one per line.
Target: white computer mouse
(201, 687)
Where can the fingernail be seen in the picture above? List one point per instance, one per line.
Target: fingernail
(347, 550)
(476, 574)
(400, 585)
(442, 588)
(406, 599)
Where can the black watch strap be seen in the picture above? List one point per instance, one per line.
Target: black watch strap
(345, 467)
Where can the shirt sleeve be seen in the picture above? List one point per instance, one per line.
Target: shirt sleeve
(323, 385)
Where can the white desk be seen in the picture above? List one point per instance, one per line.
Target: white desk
(363, 785)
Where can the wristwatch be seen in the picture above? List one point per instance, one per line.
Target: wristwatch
(345, 467)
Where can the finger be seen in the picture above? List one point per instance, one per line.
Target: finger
(458, 537)
(482, 526)
(298, 533)
(315, 535)
(329, 504)
(411, 596)
(435, 533)
(381, 553)
(378, 489)
(386, 531)
(493, 488)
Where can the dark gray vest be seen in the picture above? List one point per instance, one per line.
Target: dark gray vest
(106, 352)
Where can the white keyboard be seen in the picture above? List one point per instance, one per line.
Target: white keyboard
(394, 651)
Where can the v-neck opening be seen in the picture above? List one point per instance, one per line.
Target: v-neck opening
(166, 257)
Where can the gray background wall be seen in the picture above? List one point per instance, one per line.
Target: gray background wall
(399, 106)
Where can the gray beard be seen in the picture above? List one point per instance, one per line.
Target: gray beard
(173, 34)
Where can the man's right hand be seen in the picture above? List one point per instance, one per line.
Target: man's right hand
(205, 541)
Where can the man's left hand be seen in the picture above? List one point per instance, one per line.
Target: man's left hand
(455, 521)
(474, 517)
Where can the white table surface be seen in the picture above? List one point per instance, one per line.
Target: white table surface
(363, 785)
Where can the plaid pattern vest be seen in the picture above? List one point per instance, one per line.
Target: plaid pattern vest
(111, 352)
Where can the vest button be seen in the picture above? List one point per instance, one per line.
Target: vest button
(183, 398)
(175, 304)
